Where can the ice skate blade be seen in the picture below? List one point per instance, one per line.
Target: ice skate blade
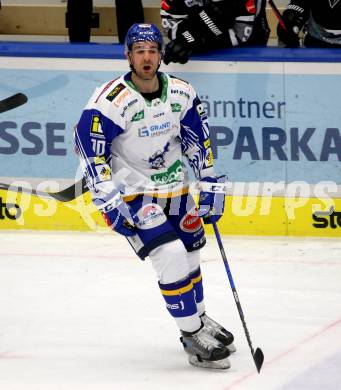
(222, 364)
(231, 348)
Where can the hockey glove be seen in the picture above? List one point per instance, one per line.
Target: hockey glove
(293, 20)
(212, 198)
(117, 214)
(177, 51)
(205, 28)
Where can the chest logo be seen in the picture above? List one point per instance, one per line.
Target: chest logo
(157, 160)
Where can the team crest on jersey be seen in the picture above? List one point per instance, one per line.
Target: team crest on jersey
(333, 3)
(96, 127)
(115, 92)
(103, 172)
(157, 160)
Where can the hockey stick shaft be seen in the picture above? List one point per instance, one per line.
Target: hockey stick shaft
(277, 14)
(13, 101)
(66, 195)
(257, 354)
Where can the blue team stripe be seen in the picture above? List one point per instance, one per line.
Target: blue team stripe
(79, 144)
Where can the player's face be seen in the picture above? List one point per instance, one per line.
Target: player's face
(145, 58)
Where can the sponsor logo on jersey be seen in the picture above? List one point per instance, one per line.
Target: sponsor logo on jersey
(190, 223)
(324, 220)
(162, 126)
(96, 127)
(138, 116)
(180, 92)
(176, 107)
(98, 160)
(158, 115)
(154, 130)
(115, 92)
(151, 216)
(105, 89)
(127, 106)
(9, 210)
(118, 101)
(251, 6)
(173, 174)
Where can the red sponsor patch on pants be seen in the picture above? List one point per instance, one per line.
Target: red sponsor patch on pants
(251, 6)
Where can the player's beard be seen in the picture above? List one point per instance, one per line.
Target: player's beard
(147, 73)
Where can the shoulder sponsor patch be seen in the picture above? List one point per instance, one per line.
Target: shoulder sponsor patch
(115, 92)
(107, 86)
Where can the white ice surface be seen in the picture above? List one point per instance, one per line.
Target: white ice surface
(78, 311)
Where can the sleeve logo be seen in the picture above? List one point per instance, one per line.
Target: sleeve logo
(96, 127)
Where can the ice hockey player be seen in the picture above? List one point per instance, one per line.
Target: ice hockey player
(319, 20)
(134, 136)
(197, 26)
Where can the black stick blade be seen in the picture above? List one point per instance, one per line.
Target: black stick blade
(72, 192)
(12, 102)
(258, 358)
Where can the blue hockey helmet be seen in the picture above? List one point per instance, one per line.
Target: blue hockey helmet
(143, 32)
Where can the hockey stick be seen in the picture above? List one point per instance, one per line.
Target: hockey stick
(65, 195)
(13, 101)
(258, 356)
(277, 14)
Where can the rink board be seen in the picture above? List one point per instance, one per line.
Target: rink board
(274, 116)
(251, 215)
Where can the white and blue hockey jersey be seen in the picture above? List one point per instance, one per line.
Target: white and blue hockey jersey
(140, 145)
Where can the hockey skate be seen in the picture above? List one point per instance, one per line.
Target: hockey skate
(204, 350)
(218, 332)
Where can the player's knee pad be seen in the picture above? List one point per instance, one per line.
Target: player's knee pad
(170, 262)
